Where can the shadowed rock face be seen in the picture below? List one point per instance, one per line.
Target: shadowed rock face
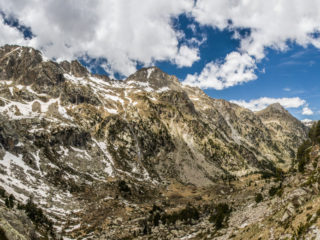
(64, 131)
(74, 68)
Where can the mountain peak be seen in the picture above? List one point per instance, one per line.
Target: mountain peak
(154, 78)
(10, 52)
(75, 68)
(276, 107)
(274, 111)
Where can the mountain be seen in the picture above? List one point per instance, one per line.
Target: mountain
(281, 123)
(81, 146)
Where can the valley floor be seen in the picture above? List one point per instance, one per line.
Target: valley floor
(287, 208)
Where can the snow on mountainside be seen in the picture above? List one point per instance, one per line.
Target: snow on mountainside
(308, 122)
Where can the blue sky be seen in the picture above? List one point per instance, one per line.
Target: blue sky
(293, 73)
(250, 52)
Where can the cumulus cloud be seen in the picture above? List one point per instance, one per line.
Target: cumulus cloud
(307, 111)
(10, 35)
(237, 68)
(271, 24)
(141, 32)
(261, 103)
(186, 56)
(126, 33)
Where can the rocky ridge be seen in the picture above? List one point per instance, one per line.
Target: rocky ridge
(81, 144)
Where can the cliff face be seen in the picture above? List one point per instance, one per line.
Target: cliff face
(65, 132)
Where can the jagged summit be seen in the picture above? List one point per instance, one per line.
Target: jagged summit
(276, 111)
(75, 68)
(275, 107)
(155, 78)
(25, 63)
(23, 60)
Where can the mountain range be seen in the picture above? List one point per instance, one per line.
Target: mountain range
(91, 151)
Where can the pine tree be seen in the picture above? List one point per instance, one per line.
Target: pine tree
(317, 132)
(7, 203)
(11, 200)
(303, 156)
(312, 132)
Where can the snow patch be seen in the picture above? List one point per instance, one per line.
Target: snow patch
(9, 158)
(149, 72)
(110, 110)
(77, 226)
(11, 90)
(3, 82)
(108, 169)
(163, 89)
(144, 85)
(114, 98)
(25, 109)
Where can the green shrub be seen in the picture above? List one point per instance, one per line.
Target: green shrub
(259, 198)
(185, 215)
(276, 190)
(2, 192)
(314, 133)
(10, 201)
(301, 229)
(280, 192)
(123, 187)
(303, 154)
(221, 213)
(318, 212)
(36, 215)
(3, 235)
(276, 173)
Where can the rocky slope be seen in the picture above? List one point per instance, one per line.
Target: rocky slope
(289, 207)
(84, 146)
(281, 123)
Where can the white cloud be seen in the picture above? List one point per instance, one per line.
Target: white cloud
(272, 24)
(192, 27)
(306, 120)
(186, 56)
(141, 31)
(287, 89)
(261, 103)
(123, 32)
(10, 35)
(237, 68)
(307, 111)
